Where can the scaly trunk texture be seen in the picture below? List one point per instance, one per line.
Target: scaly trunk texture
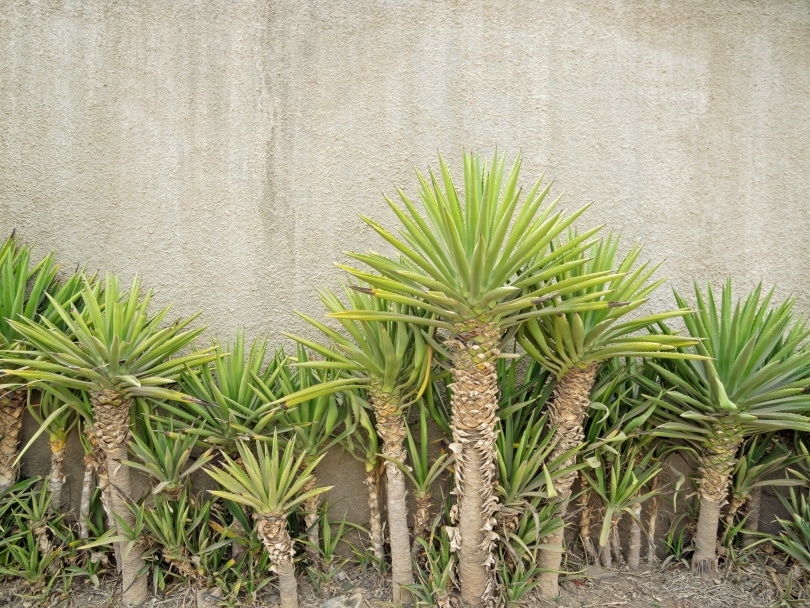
(111, 426)
(272, 531)
(374, 519)
(12, 406)
(616, 543)
(567, 410)
(474, 350)
(752, 516)
(585, 516)
(91, 466)
(652, 525)
(421, 520)
(56, 478)
(310, 510)
(390, 426)
(634, 551)
(715, 465)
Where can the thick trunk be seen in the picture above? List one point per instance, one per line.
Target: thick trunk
(12, 406)
(374, 520)
(390, 425)
(56, 477)
(111, 425)
(567, 410)
(752, 516)
(634, 550)
(272, 531)
(716, 463)
(474, 404)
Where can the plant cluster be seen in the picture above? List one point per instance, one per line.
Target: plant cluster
(499, 366)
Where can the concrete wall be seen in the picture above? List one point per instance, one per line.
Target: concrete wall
(224, 149)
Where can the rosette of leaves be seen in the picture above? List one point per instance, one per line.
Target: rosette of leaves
(754, 378)
(390, 361)
(26, 291)
(116, 351)
(573, 344)
(475, 263)
(271, 481)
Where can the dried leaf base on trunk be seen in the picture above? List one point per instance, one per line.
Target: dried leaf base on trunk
(390, 426)
(272, 531)
(12, 406)
(374, 518)
(567, 409)
(474, 402)
(111, 426)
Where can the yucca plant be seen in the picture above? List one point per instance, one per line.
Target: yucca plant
(115, 350)
(794, 538)
(271, 481)
(572, 345)
(476, 265)
(390, 361)
(319, 421)
(364, 446)
(754, 379)
(25, 292)
(226, 404)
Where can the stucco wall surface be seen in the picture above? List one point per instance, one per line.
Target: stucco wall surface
(225, 149)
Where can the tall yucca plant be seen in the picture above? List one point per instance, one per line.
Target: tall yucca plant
(24, 291)
(390, 361)
(475, 265)
(273, 483)
(573, 344)
(116, 351)
(754, 379)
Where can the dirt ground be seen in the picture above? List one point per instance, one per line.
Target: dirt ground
(752, 585)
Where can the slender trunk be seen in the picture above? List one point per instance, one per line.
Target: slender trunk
(272, 530)
(390, 424)
(715, 465)
(12, 406)
(56, 478)
(752, 516)
(92, 464)
(634, 551)
(567, 410)
(111, 424)
(310, 510)
(652, 524)
(616, 543)
(605, 553)
(474, 402)
(585, 516)
(374, 520)
(421, 519)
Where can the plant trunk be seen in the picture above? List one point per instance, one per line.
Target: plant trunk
(310, 510)
(585, 516)
(272, 531)
(652, 525)
(12, 406)
(715, 465)
(567, 409)
(56, 478)
(752, 516)
(374, 519)
(605, 553)
(390, 425)
(634, 551)
(421, 520)
(616, 543)
(474, 402)
(92, 464)
(111, 425)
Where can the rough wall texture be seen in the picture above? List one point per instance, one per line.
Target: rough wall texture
(225, 149)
